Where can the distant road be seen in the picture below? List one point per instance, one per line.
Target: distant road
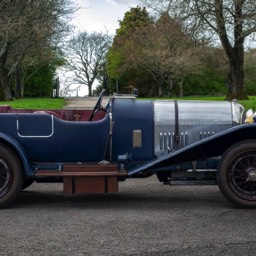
(83, 102)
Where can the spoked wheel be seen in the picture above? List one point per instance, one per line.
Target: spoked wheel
(10, 176)
(237, 174)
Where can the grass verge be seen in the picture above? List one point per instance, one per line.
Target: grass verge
(36, 103)
(54, 103)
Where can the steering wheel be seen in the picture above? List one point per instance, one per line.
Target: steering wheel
(97, 106)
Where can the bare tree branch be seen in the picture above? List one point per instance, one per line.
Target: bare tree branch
(87, 55)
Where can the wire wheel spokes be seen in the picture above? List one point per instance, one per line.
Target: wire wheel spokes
(6, 178)
(242, 175)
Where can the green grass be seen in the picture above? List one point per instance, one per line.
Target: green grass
(251, 103)
(36, 103)
(52, 103)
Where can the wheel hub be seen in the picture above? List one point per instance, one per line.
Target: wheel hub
(251, 176)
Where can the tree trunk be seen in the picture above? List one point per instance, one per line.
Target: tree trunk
(160, 91)
(236, 75)
(160, 84)
(236, 84)
(6, 90)
(235, 50)
(181, 86)
(4, 78)
(7, 94)
(90, 90)
(171, 83)
(5, 86)
(18, 83)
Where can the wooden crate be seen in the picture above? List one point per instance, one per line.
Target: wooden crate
(87, 184)
(90, 179)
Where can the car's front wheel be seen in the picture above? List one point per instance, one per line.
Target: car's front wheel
(11, 175)
(236, 175)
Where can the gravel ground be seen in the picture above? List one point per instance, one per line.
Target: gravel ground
(143, 218)
(83, 102)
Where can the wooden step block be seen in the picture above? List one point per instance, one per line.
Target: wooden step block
(90, 178)
(95, 184)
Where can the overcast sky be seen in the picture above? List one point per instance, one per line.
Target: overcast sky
(101, 15)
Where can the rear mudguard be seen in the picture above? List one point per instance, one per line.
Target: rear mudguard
(212, 146)
(4, 138)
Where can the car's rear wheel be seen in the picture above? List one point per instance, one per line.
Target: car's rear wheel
(236, 175)
(11, 175)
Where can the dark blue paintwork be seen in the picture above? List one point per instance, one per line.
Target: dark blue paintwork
(45, 138)
(129, 115)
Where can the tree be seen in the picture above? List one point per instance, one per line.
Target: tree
(233, 21)
(39, 75)
(162, 49)
(134, 19)
(168, 53)
(28, 28)
(212, 76)
(87, 56)
(121, 74)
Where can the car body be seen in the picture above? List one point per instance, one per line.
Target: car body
(181, 142)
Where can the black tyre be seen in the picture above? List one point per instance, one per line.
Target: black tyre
(236, 175)
(11, 175)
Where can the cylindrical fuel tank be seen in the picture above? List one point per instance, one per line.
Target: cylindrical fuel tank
(181, 123)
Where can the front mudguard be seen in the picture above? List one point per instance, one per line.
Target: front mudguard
(17, 147)
(213, 146)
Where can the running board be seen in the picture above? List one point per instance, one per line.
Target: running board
(91, 178)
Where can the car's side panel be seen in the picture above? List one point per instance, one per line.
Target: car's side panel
(48, 139)
(133, 130)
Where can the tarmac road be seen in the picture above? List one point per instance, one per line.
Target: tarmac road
(143, 218)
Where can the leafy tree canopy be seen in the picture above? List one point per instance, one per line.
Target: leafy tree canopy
(136, 17)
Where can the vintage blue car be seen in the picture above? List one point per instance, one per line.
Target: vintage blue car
(181, 142)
